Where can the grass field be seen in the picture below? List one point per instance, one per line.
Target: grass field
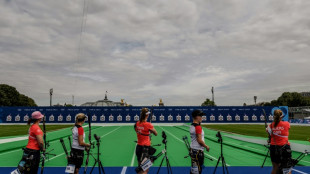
(118, 150)
(15, 130)
(296, 132)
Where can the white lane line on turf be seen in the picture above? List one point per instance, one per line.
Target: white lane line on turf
(18, 138)
(299, 171)
(243, 145)
(23, 137)
(109, 132)
(9, 140)
(11, 151)
(255, 148)
(183, 142)
(133, 156)
(240, 144)
(124, 170)
(101, 137)
(305, 161)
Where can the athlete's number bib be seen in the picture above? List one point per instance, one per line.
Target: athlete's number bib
(70, 168)
(286, 170)
(194, 168)
(146, 164)
(16, 171)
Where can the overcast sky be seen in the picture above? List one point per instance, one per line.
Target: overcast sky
(142, 51)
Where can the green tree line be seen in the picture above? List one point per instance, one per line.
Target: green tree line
(208, 102)
(290, 99)
(9, 96)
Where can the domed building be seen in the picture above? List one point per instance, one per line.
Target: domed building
(104, 102)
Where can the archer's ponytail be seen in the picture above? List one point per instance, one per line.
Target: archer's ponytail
(277, 117)
(31, 120)
(143, 114)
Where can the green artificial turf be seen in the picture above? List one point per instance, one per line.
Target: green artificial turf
(296, 132)
(117, 148)
(17, 130)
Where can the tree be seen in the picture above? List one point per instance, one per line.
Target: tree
(274, 103)
(292, 99)
(307, 101)
(25, 101)
(3, 99)
(267, 104)
(9, 96)
(208, 102)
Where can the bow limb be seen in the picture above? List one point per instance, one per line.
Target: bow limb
(266, 126)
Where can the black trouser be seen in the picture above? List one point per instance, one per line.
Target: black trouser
(31, 160)
(77, 157)
(141, 150)
(144, 152)
(281, 155)
(197, 157)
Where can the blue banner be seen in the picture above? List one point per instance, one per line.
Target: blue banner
(167, 114)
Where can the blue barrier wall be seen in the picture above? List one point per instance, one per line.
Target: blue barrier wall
(300, 121)
(167, 114)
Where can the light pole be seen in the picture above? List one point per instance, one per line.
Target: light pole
(51, 94)
(212, 90)
(255, 98)
(72, 100)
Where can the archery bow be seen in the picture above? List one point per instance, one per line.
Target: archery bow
(69, 138)
(89, 139)
(151, 118)
(65, 149)
(269, 138)
(266, 126)
(45, 146)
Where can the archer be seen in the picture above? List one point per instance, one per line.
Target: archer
(78, 143)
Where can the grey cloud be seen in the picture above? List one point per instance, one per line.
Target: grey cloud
(146, 50)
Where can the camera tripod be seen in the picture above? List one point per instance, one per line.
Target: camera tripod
(300, 157)
(100, 167)
(221, 158)
(166, 156)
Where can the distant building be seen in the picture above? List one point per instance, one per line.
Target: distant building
(88, 104)
(104, 102)
(305, 94)
(161, 103)
(299, 112)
